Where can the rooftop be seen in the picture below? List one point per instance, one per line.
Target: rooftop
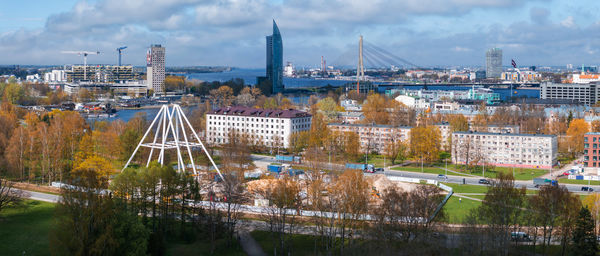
(259, 112)
(508, 134)
(369, 125)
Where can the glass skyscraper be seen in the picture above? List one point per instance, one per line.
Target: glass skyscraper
(275, 59)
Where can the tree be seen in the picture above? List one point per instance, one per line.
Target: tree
(577, 130)
(100, 166)
(584, 237)
(375, 109)
(283, 196)
(9, 196)
(501, 209)
(425, 143)
(592, 202)
(329, 108)
(89, 223)
(396, 149)
(554, 207)
(595, 126)
(222, 97)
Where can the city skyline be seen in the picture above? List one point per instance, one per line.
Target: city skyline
(232, 32)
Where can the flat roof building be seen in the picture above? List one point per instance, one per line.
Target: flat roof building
(374, 137)
(267, 127)
(504, 149)
(586, 94)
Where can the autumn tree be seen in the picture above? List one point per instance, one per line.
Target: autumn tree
(425, 143)
(351, 190)
(283, 197)
(222, 97)
(375, 109)
(329, 108)
(577, 129)
(595, 126)
(400, 114)
(592, 202)
(396, 149)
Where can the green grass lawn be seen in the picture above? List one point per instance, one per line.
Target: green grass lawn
(582, 182)
(520, 173)
(299, 244)
(457, 211)
(24, 231)
(434, 170)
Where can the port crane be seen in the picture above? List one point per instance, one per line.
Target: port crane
(84, 54)
(119, 50)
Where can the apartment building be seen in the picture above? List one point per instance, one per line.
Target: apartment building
(505, 149)
(374, 137)
(262, 126)
(591, 150)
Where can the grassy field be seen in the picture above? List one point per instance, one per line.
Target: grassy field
(33, 223)
(457, 211)
(24, 231)
(582, 182)
(300, 244)
(520, 173)
(434, 170)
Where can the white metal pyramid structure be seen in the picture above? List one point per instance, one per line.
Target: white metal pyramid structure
(172, 125)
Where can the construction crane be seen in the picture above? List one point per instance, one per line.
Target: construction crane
(119, 50)
(84, 54)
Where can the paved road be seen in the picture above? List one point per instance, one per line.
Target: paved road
(474, 180)
(40, 196)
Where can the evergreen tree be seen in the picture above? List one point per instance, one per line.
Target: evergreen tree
(584, 239)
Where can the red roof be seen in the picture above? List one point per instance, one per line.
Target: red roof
(259, 112)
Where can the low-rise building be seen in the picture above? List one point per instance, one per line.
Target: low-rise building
(374, 137)
(505, 149)
(266, 127)
(350, 117)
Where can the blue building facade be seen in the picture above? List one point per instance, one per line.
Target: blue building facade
(275, 60)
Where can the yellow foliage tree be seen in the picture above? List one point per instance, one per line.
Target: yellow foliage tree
(592, 202)
(375, 109)
(425, 143)
(577, 129)
(99, 165)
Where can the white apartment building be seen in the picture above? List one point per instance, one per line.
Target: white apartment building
(262, 126)
(374, 137)
(505, 149)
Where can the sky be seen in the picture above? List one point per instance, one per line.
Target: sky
(232, 32)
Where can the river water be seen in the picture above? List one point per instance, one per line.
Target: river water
(249, 76)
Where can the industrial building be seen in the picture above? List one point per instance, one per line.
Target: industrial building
(505, 149)
(266, 127)
(155, 66)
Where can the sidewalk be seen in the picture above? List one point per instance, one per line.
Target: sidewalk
(250, 246)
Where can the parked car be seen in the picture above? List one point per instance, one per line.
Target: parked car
(520, 237)
(484, 181)
(567, 173)
(442, 177)
(587, 189)
(378, 169)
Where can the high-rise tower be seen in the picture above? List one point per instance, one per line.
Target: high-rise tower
(275, 60)
(493, 63)
(155, 67)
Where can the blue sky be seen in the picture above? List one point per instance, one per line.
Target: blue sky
(231, 32)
